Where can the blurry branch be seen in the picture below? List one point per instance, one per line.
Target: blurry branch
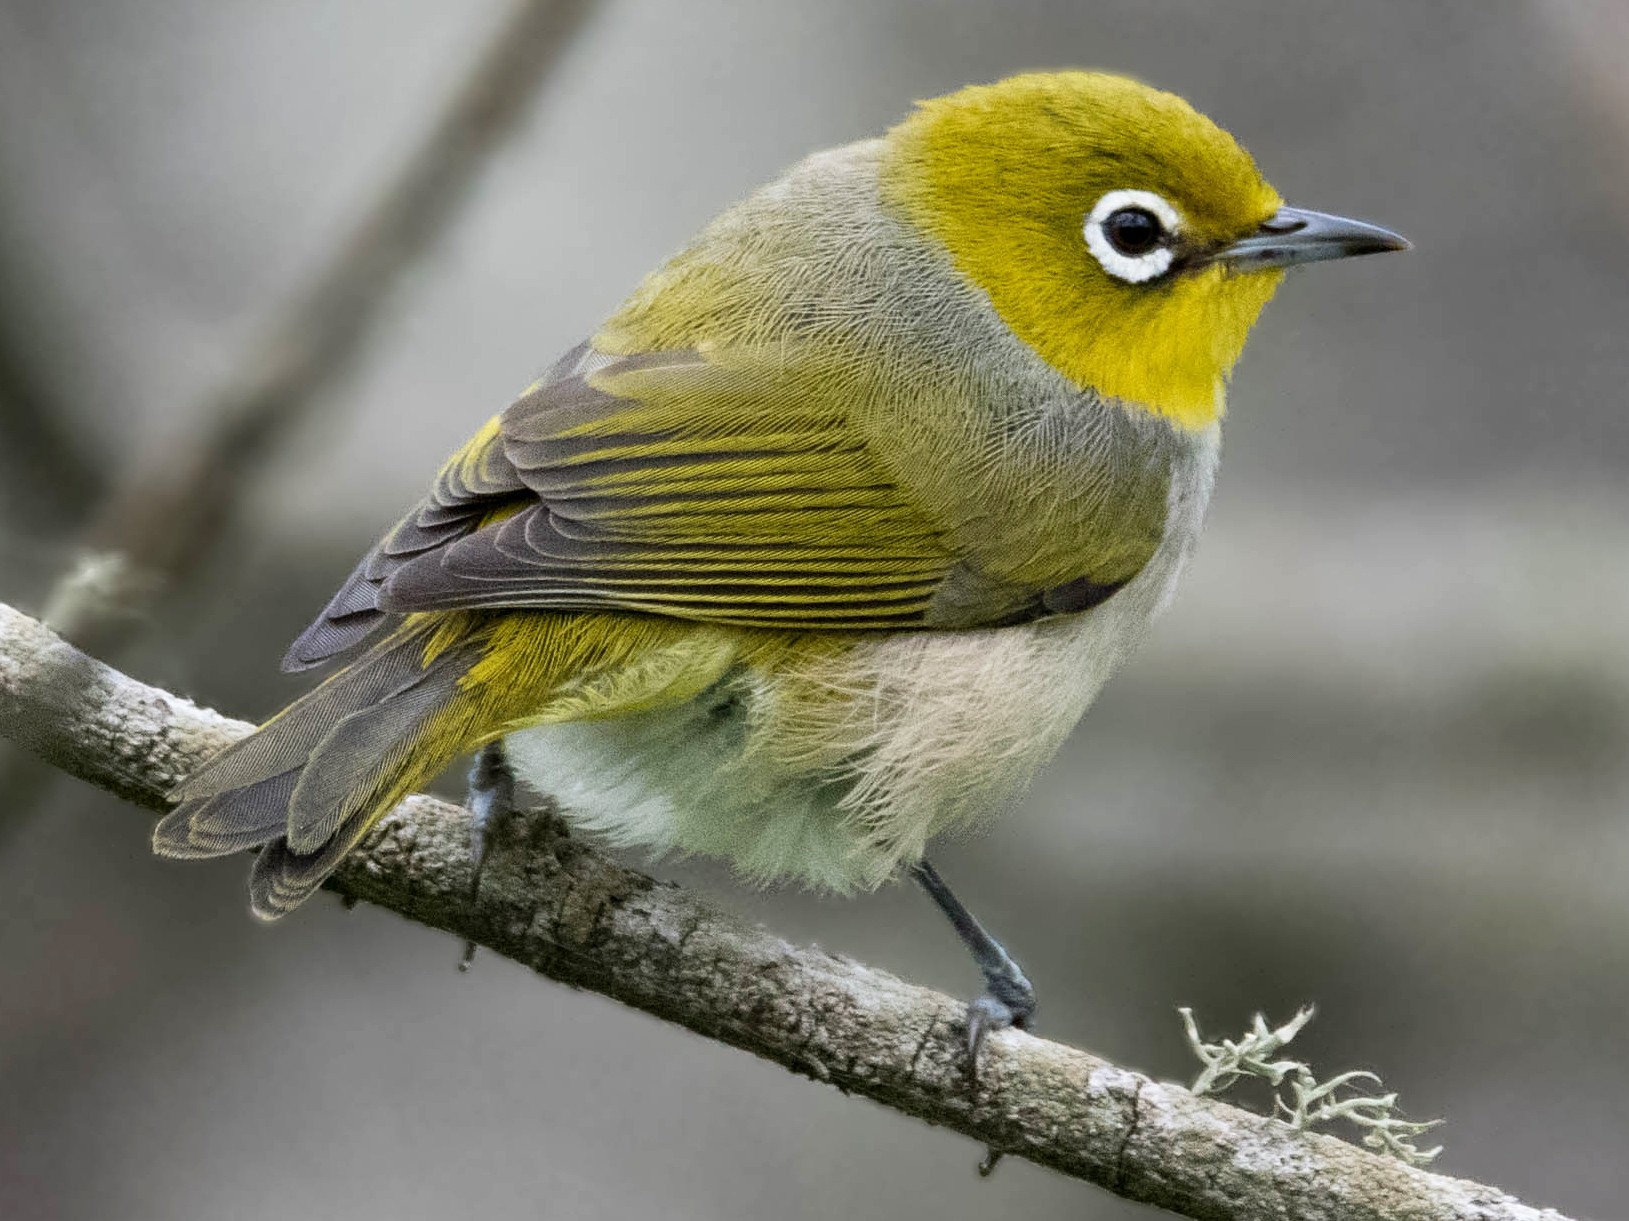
(572, 914)
(1591, 36)
(164, 521)
(49, 475)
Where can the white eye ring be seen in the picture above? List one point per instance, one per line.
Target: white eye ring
(1132, 268)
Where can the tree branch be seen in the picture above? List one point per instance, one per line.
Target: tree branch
(569, 912)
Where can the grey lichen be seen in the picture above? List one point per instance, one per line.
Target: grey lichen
(1311, 1103)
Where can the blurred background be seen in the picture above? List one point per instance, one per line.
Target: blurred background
(1374, 758)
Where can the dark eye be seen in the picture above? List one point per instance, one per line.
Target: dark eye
(1133, 231)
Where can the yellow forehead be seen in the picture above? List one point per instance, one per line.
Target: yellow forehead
(1004, 175)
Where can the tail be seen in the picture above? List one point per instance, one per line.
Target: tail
(307, 785)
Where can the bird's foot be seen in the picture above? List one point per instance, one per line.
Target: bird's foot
(1008, 1000)
(491, 802)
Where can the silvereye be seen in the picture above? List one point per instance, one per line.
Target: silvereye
(823, 542)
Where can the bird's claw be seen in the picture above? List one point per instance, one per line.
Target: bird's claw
(988, 1014)
(1010, 1001)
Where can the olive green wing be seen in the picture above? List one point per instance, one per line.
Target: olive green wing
(668, 483)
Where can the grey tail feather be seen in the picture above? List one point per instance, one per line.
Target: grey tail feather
(308, 784)
(359, 754)
(285, 743)
(282, 879)
(233, 821)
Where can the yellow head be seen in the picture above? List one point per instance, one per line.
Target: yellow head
(1119, 232)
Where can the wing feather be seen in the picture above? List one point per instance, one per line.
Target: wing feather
(684, 484)
(670, 484)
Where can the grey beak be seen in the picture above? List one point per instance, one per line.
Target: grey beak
(1297, 235)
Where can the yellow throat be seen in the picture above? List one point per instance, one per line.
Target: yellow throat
(1004, 176)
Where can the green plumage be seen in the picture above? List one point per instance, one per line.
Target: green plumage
(806, 460)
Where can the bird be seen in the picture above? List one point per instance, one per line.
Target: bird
(823, 541)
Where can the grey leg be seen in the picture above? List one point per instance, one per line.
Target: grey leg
(491, 801)
(1008, 998)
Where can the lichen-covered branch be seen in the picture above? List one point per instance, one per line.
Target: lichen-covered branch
(571, 913)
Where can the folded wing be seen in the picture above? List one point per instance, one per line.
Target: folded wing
(668, 483)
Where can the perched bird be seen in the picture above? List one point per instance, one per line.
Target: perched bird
(828, 536)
